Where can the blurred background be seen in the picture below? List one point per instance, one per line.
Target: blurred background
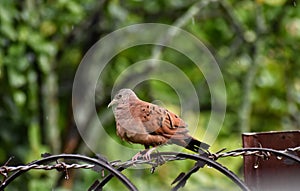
(42, 42)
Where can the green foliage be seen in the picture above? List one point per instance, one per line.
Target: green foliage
(43, 42)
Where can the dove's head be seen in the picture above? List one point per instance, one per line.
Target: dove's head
(122, 97)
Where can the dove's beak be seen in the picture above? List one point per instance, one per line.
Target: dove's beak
(113, 102)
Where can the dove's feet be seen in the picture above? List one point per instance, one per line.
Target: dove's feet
(145, 154)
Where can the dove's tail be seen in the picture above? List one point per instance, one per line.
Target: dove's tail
(194, 145)
(191, 144)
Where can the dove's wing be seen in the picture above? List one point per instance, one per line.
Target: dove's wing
(159, 121)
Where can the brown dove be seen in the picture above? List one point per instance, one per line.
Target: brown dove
(148, 124)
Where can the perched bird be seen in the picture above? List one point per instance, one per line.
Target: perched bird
(141, 122)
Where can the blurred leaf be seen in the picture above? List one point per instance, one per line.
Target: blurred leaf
(293, 27)
(8, 31)
(74, 7)
(19, 98)
(117, 11)
(16, 78)
(44, 63)
(48, 28)
(272, 2)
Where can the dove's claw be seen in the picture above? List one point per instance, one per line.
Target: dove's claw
(147, 155)
(136, 156)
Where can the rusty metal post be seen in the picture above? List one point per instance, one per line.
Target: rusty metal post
(276, 173)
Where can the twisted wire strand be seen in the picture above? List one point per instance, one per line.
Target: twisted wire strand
(58, 166)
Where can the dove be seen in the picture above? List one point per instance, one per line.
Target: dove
(148, 124)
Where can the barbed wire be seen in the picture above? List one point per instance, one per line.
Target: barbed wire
(99, 164)
(156, 160)
(59, 166)
(252, 151)
(153, 161)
